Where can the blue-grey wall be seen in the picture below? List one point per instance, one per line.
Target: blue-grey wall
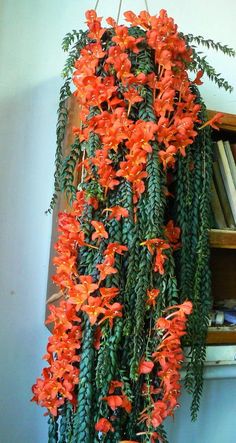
(31, 60)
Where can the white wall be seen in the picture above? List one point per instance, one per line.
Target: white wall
(31, 60)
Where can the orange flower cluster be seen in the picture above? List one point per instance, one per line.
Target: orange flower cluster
(168, 357)
(114, 95)
(60, 377)
(83, 295)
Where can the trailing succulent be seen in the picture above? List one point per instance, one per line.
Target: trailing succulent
(132, 260)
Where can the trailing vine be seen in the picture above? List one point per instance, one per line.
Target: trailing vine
(62, 112)
(132, 257)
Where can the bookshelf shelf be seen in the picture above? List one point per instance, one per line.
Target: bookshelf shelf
(223, 252)
(221, 335)
(222, 238)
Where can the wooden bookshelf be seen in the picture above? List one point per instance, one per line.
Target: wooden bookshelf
(223, 252)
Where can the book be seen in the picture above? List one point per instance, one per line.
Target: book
(216, 208)
(224, 201)
(226, 175)
(231, 161)
(233, 149)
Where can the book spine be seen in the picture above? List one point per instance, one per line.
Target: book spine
(233, 150)
(227, 177)
(231, 161)
(216, 208)
(224, 201)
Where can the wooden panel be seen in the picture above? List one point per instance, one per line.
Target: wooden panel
(228, 121)
(223, 267)
(222, 238)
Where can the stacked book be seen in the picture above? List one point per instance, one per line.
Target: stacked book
(223, 199)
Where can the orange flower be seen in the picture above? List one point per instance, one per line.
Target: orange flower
(114, 401)
(68, 222)
(100, 230)
(111, 312)
(159, 261)
(65, 264)
(117, 212)
(62, 316)
(93, 309)
(114, 385)
(145, 367)
(197, 80)
(185, 308)
(122, 65)
(167, 157)
(106, 268)
(152, 294)
(79, 293)
(152, 243)
(132, 18)
(87, 286)
(108, 294)
(113, 248)
(107, 178)
(172, 232)
(110, 21)
(103, 425)
(78, 204)
(157, 245)
(94, 25)
(212, 122)
(124, 40)
(126, 404)
(132, 97)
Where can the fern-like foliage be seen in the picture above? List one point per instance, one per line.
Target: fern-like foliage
(200, 62)
(70, 38)
(81, 40)
(209, 43)
(68, 172)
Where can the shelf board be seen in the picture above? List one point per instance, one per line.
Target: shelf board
(228, 121)
(224, 238)
(221, 335)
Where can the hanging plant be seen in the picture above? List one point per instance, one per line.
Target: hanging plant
(132, 254)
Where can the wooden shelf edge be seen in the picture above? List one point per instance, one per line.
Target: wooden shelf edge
(222, 238)
(228, 121)
(219, 337)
